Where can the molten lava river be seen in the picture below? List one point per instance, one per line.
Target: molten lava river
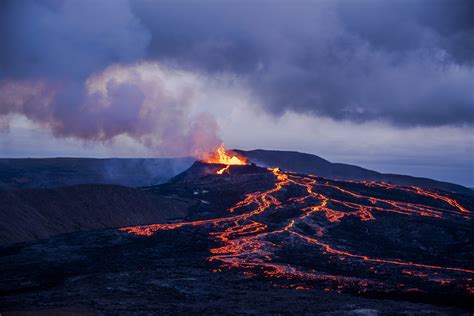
(361, 237)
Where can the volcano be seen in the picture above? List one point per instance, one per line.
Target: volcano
(261, 240)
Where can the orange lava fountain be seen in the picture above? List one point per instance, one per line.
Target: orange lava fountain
(221, 156)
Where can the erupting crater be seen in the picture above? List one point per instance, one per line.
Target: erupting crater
(303, 231)
(222, 156)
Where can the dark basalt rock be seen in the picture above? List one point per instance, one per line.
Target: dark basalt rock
(202, 169)
(258, 242)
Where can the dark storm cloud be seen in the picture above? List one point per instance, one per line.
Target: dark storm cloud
(68, 38)
(405, 62)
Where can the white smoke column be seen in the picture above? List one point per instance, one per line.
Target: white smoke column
(147, 102)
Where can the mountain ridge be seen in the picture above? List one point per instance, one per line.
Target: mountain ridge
(312, 164)
(25, 173)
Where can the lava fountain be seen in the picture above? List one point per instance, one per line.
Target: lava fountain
(222, 156)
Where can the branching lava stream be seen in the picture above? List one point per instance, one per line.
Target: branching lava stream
(290, 235)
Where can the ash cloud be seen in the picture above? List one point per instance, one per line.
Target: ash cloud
(408, 63)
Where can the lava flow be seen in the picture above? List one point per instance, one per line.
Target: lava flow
(307, 231)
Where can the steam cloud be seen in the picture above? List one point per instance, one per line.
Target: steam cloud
(145, 102)
(79, 67)
(61, 77)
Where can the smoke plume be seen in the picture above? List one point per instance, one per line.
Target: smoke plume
(79, 67)
(144, 102)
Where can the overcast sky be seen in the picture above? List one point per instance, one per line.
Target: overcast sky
(387, 85)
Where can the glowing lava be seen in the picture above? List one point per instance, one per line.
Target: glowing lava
(251, 240)
(221, 156)
(223, 170)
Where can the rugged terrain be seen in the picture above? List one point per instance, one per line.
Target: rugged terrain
(259, 240)
(136, 172)
(32, 214)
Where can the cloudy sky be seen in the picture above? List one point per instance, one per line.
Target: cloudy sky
(387, 85)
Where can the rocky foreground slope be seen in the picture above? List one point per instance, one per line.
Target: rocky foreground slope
(32, 214)
(257, 241)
